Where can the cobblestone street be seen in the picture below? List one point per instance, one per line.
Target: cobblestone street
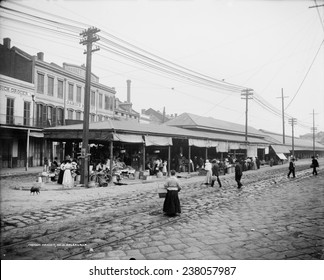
(271, 217)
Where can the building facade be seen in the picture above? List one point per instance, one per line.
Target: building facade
(36, 94)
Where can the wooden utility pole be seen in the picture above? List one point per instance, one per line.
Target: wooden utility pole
(293, 121)
(314, 130)
(283, 116)
(246, 94)
(89, 37)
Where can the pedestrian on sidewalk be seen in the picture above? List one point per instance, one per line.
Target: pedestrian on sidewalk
(291, 168)
(208, 168)
(62, 170)
(314, 165)
(215, 173)
(171, 205)
(238, 174)
(68, 180)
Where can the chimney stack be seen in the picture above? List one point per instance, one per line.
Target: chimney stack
(7, 42)
(40, 56)
(128, 91)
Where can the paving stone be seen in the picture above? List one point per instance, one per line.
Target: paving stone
(149, 250)
(194, 255)
(177, 257)
(156, 256)
(117, 253)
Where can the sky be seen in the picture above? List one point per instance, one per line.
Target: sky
(268, 46)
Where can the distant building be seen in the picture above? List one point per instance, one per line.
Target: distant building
(303, 148)
(155, 117)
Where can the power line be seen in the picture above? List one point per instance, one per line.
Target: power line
(305, 75)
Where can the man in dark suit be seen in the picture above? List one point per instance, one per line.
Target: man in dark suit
(238, 174)
(215, 173)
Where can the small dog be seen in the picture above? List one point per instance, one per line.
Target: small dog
(34, 190)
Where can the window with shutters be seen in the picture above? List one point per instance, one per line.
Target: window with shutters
(26, 113)
(93, 98)
(70, 94)
(50, 86)
(40, 82)
(60, 89)
(106, 102)
(59, 116)
(10, 111)
(78, 96)
(78, 115)
(100, 100)
(70, 114)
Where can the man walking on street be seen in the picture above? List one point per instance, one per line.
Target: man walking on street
(314, 165)
(292, 168)
(238, 174)
(215, 173)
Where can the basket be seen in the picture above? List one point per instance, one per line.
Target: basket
(161, 191)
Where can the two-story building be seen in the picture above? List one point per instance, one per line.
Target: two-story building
(36, 94)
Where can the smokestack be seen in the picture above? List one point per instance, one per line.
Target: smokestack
(128, 91)
(7, 42)
(40, 56)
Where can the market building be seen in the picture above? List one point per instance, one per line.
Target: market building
(136, 144)
(229, 137)
(279, 152)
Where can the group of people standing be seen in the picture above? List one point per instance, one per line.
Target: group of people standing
(213, 172)
(156, 166)
(67, 172)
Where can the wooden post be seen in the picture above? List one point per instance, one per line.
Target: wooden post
(169, 160)
(27, 149)
(144, 157)
(111, 157)
(189, 155)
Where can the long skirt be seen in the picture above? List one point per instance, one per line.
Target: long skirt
(60, 177)
(171, 205)
(208, 179)
(68, 181)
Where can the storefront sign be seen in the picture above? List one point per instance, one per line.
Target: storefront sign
(79, 105)
(14, 90)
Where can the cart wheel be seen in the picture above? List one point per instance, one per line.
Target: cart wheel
(108, 178)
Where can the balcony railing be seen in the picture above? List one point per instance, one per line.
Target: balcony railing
(30, 122)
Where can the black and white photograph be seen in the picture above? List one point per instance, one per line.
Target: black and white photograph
(180, 131)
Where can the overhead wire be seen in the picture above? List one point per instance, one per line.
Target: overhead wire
(147, 59)
(305, 76)
(150, 61)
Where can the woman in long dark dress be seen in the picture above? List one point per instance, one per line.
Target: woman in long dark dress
(61, 173)
(171, 205)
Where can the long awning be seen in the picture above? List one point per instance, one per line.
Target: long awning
(281, 156)
(36, 134)
(157, 141)
(202, 143)
(128, 138)
(233, 146)
(252, 151)
(197, 142)
(280, 149)
(222, 147)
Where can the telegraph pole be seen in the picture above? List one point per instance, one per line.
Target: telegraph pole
(314, 130)
(283, 116)
(89, 37)
(293, 121)
(246, 94)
